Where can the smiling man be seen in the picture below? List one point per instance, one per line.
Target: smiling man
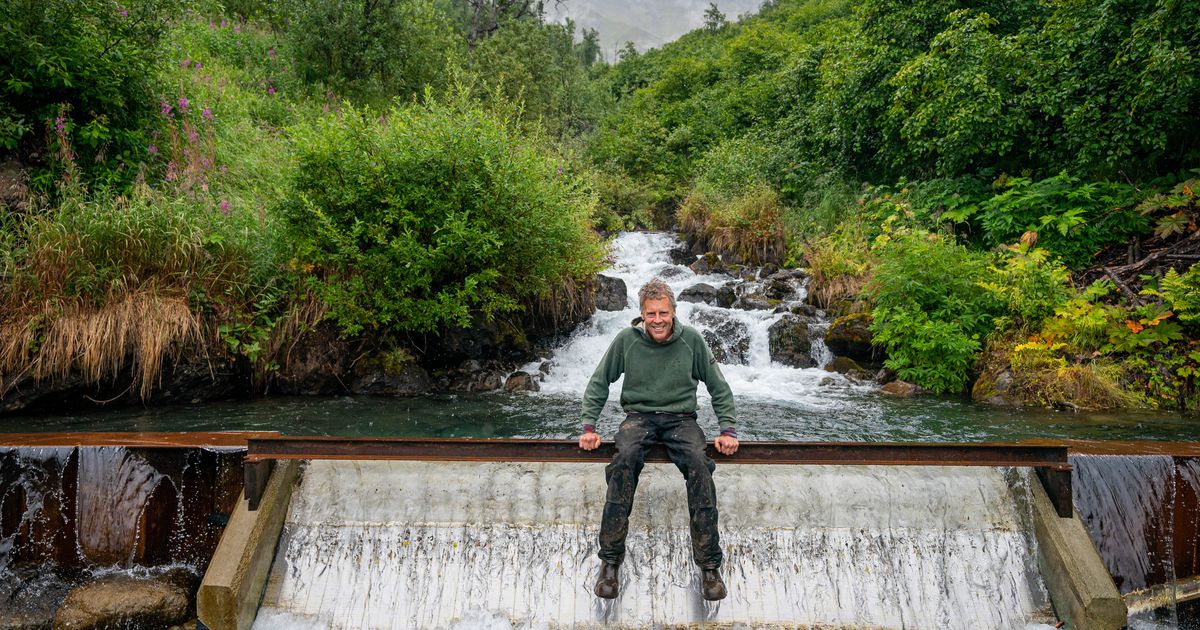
(663, 361)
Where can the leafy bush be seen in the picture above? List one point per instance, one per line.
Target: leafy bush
(839, 264)
(417, 216)
(931, 313)
(1072, 219)
(86, 66)
(374, 47)
(1029, 285)
(1182, 294)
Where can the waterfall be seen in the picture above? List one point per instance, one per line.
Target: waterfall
(638, 257)
(498, 545)
(1136, 510)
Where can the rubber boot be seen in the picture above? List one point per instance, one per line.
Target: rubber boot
(712, 586)
(608, 585)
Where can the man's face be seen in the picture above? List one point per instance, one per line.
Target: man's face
(659, 315)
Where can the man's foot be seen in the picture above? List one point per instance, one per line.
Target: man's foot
(609, 585)
(712, 587)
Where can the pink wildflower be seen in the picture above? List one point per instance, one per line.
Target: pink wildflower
(166, 108)
(152, 150)
(271, 90)
(271, 52)
(224, 205)
(186, 63)
(184, 104)
(207, 114)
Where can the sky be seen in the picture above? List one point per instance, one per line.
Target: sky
(646, 23)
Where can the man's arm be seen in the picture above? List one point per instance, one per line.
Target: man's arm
(707, 370)
(596, 394)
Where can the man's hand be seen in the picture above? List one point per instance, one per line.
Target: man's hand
(726, 444)
(591, 440)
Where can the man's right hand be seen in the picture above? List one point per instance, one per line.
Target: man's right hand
(589, 441)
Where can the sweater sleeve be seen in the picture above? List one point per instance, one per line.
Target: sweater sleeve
(706, 369)
(610, 369)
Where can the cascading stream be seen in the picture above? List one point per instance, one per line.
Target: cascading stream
(755, 379)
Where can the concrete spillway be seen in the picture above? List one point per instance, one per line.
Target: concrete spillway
(420, 544)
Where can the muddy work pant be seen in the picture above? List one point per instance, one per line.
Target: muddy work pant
(685, 444)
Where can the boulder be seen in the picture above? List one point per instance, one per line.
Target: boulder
(779, 289)
(847, 367)
(395, 373)
(807, 310)
(682, 255)
(767, 271)
(754, 302)
(901, 389)
(121, 601)
(611, 293)
(520, 381)
(728, 338)
(788, 342)
(709, 263)
(850, 336)
(994, 387)
(708, 294)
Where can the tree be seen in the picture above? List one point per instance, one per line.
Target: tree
(714, 20)
(589, 48)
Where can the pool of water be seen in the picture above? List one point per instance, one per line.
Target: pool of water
(844, 415)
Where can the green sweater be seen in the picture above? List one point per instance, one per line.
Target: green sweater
(659, 376)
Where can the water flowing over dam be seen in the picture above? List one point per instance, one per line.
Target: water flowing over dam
(419, 544)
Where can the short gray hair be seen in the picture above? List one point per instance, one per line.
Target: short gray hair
(656, 289)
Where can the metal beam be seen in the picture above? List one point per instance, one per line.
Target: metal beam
(1050, 460)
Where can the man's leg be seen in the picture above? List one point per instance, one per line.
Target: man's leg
(685, 445)
(635, 434)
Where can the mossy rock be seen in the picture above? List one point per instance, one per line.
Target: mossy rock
(850, 336)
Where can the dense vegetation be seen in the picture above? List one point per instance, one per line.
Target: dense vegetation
(1008, 188)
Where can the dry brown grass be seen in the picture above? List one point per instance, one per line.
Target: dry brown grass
(750, 226)
(143, 329)
(302, 316)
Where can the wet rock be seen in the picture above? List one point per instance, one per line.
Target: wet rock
(672, 271)
(472, 379)
(806, 310)
(544, 368)
(29, 596)
(994, 387)
(850, 336)
(123, 602)
(14, 186)
(611, 293)
(767, 271)
(901, 389)
(779, 289)
(520, 381)
(682, 255)
(394, 373)
(707, 264)
(708, 294)
(847, 367)
(789, 343)
(315, 365)
(728, 338)
(885, 376)
(754, 302)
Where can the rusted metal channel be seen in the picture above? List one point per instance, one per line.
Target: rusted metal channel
(1049, 460)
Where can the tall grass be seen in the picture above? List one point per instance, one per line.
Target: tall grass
(748, 226)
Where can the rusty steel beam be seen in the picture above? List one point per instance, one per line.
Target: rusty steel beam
(510, 450)
(190, 439)
(1049, 460)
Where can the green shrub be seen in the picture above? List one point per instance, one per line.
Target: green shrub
(1029, 285)
(749, 226)
(417, 216)
(839, 264)
(1072, 219)
(85, 67)
(931, 312)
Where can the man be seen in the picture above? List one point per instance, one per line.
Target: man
(663, 361)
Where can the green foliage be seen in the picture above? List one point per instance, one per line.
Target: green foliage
(374, 47)
(838, 265)
(82, 70)
(1181, 292)
(748, 226)
(931, 311)
(418, 216)
(1073, 219)
(1029, 284)
(1177, 209)
(91, 249)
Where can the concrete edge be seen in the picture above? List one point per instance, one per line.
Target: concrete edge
(1081, 589)
(233, 585)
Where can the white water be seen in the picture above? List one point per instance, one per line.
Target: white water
(503, 545)
(640, 256)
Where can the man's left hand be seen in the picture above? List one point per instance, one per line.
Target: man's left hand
(726, 444)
